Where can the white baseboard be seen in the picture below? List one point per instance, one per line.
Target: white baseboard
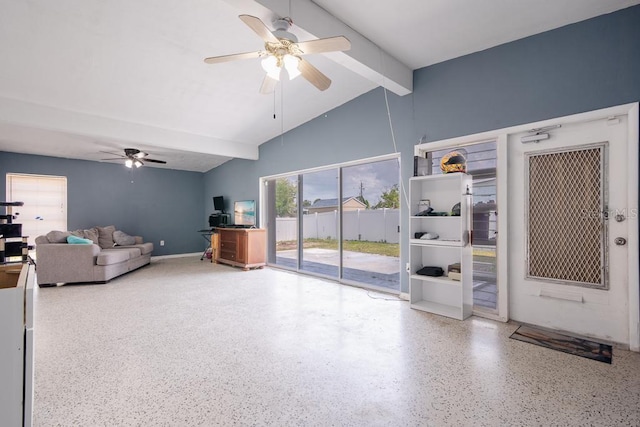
(153, 258)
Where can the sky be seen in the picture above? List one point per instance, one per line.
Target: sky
(375, 177)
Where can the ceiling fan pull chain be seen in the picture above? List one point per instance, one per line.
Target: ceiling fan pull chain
(282, 114)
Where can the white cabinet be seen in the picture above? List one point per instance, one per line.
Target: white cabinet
(441, 295)
(16, 344)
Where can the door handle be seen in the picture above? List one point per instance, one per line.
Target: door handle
(620, 241)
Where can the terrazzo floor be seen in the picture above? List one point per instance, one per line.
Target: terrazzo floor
(188, 343)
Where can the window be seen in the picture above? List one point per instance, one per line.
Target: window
(566, 238)
(481, 164)
(45, 203)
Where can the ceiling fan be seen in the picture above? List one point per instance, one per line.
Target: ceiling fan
(133, 157)
(282, 49)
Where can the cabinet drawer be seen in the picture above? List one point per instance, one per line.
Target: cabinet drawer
(228, 246)
(226, 254)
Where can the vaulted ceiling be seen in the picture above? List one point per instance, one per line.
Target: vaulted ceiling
(79, 77)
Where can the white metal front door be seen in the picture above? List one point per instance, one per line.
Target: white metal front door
(569, 222)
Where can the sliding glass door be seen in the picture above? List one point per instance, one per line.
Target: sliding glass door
(319, 225)
(371, 224)
(282, 221)
(340, 222)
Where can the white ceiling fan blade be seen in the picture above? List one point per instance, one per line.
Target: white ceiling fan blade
(330, 44)
(236, 56)
(260, 29)
(113, 154)
(313, 75)
(268, 85)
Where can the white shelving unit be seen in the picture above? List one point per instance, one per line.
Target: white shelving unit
(441, 295)
(16, 344)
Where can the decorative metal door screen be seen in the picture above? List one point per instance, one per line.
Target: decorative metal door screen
(567, 216)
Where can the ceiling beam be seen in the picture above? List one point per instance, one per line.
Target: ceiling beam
(49, 118)
(365, 58)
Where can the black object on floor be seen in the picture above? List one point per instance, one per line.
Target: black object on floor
(565, 343)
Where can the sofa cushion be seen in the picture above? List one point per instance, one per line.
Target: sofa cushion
(108, 257)
(133, 252)
(105, 236)
(75, 240)
(145, 248)
(56, 236)
(123, 239)
(92, 233)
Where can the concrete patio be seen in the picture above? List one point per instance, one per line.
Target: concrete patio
(378, 270)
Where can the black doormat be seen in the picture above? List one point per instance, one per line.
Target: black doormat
(567, 344)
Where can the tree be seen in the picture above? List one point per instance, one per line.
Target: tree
(286, 192)
(389, 199)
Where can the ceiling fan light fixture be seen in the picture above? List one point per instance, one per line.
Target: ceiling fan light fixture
(291, 64)
(280, 43)
(133, 157)
(271, 66)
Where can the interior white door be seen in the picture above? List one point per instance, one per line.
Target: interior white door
(591, 296)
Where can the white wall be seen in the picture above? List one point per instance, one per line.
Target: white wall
(376, 225)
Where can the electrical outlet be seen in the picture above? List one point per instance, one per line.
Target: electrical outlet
(161, 242)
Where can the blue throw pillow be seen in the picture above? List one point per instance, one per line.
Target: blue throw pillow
(75, 240)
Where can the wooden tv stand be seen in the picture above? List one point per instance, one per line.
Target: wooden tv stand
(242, 247)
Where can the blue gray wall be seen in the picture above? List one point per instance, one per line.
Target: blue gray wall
(349, 132)
(581, 67)
(160, 204)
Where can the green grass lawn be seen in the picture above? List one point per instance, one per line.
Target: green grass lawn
(379, 248)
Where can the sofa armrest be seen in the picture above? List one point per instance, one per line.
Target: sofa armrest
(42, 240)
(62, 262)
(139, 240)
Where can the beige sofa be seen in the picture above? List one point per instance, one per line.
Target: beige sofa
(99, 260)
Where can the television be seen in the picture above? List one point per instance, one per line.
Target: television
(218, 203)
(244, 213)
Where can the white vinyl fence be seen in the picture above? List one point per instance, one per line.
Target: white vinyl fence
(372, 225)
